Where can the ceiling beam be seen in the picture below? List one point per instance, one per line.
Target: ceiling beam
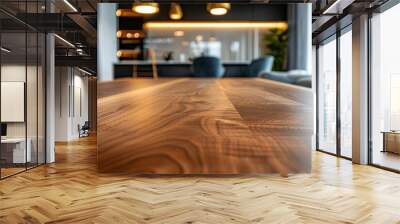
(86, 27)
(82, 61)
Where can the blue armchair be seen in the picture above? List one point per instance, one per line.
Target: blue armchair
(208, 67)
(260, 65)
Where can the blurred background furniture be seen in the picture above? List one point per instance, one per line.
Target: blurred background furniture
(140, 71)
(259, 66)
(204, 66)
(391, 141)
(296, 77)
(207, 66)
(304, 81)
(13, 151)
(176, 69)
(84, 130)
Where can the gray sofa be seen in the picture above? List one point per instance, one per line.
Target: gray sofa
(295, 77)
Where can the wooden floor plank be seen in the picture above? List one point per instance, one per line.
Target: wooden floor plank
(73, 191)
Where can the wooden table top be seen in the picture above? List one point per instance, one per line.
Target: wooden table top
(204, 126)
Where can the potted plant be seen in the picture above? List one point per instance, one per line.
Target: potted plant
(276, 44)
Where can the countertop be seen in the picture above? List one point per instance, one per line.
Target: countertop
(204, 126)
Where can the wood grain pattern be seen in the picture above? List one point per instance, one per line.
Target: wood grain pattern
(72, 191)
(204, 126)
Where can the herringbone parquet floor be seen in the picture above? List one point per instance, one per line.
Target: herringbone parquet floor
(71, 191)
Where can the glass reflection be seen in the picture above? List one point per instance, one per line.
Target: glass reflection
(386, 89)
(15, 149)
(22, 89)
(327, 97)
(346, 94)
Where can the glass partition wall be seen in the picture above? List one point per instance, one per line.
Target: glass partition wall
(385, 89)
(327, 96)
(335, 104)
(22, 77)
(346, 94)
(334, 94)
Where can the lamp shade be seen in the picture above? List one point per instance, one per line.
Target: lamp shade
(145, 8)
(218, 9)
(175, 12)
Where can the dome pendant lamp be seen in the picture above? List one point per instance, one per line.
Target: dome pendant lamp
(175, 12)
(145, 8)
(218, 9)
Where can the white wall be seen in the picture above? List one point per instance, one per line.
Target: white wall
(71, 95)
(62, 86)
(82, 82)
(16, 73)
(80, 105)
(106, 40)
(33, 126)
